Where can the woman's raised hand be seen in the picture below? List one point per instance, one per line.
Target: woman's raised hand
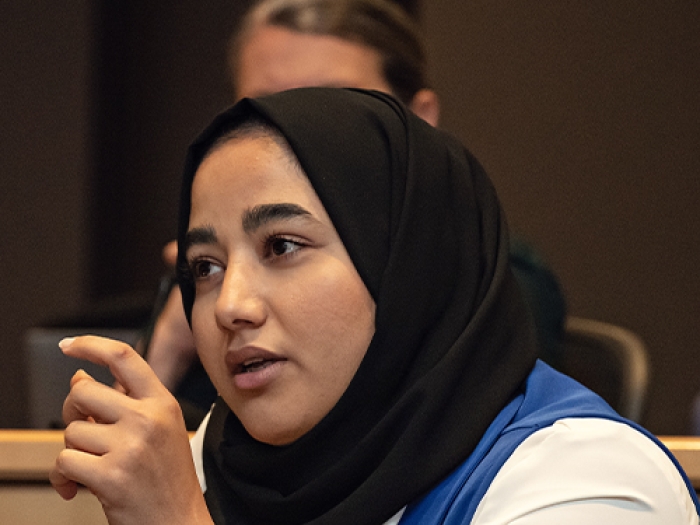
(129, 448)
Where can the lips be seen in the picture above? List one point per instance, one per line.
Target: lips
(250, 359)
(254, 365)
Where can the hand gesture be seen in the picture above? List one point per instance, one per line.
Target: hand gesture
(129, 448)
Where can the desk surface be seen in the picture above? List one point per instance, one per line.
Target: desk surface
(28, 455)
(26, 498)
(39, 504)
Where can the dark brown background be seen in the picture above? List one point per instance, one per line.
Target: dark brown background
(586, 115)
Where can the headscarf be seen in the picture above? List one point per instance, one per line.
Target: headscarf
(422, 225)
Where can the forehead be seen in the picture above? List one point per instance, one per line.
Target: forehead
(249, 167)
(274, 59)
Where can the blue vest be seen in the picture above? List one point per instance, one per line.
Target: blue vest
(548, 397)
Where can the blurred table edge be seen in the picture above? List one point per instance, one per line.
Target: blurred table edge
(686, 449)
(28, 455)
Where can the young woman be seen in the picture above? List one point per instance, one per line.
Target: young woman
(370, 44)
(344, 268)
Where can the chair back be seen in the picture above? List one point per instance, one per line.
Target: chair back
(610, 360)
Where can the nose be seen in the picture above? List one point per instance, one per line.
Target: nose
(240, 303)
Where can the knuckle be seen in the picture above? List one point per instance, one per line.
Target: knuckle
(62, 463)
(71, 410)
(115, 483)
(156, 425)
(171, 408)
(148, 423)
(69, 434)
(80, 388)
(146, 427)
(122, 351)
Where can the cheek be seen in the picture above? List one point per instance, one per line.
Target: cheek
(334, 313)
(204, 330)
(201, 317)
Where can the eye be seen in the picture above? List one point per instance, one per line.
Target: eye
(204, 268)
(277, 246)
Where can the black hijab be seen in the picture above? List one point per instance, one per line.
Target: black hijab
(423, 226)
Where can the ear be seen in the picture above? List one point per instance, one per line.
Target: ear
(426, 104)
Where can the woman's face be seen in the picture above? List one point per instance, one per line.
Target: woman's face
(281, 318)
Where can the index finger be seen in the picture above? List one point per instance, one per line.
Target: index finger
(125, 364)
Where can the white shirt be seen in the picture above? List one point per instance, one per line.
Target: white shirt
(587, 471)
(575, 472)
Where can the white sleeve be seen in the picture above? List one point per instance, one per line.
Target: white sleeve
(587, 471)
(197, 446)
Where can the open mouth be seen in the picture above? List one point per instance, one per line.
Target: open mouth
(255, 365)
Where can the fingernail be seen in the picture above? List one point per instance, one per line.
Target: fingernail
(65, 342)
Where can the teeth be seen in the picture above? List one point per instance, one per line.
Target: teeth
(253, 364)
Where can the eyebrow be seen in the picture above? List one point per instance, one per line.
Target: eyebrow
(203, 235)
(253, 219)
(265, 213)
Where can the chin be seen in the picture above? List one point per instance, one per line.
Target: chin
(275, 434)
(276, 439)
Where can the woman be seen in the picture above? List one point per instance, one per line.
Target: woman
(344, 269)
(370, 44)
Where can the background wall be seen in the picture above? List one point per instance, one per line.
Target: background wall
(44, 84)
(586, 116)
